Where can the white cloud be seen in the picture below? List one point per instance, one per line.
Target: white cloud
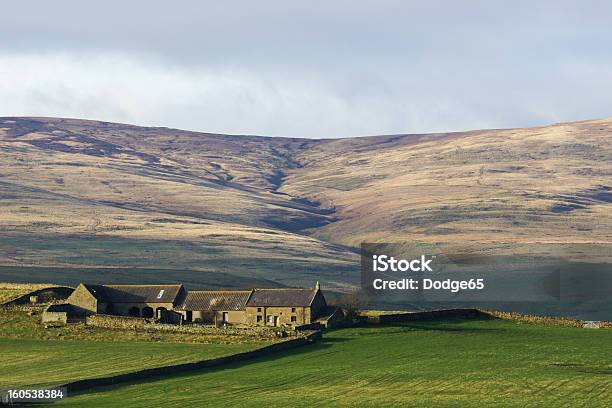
(140, 89)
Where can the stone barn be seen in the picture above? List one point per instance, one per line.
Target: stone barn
(293, 307)
(58, 313)
(148, 301)
(257, 307)
(215, 306)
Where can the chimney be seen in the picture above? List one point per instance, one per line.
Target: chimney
(317, 286)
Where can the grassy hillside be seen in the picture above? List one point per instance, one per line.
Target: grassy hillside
(78, 194)
(89, 194)
(10, 291)
(548, 184)
(443, 364)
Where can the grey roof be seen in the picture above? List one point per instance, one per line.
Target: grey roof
(282, 297)
(135, 293)
(216, 300)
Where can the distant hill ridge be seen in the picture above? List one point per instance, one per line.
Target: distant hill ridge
(206, 201)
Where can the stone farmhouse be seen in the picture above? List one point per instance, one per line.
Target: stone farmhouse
(174, 304)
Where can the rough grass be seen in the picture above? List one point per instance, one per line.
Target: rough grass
(10, 291)
(443, 364)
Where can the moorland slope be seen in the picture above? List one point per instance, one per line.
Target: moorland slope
(179, 205)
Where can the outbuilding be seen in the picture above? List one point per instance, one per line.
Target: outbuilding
(148, 301)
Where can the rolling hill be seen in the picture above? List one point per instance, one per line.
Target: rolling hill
(97, 201)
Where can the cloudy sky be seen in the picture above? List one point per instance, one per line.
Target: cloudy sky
(312, 69)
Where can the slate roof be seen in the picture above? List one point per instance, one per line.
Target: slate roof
(215, 300)
(135, 293)
(282, 297)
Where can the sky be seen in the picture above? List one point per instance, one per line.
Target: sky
(308, 69)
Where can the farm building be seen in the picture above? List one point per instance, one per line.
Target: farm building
(275, 307)
(57, 313)
(148, 301)
(173, 304)
(264, 307)
(215, 306)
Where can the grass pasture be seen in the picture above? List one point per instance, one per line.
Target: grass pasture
(443, 364)
(33, 362)
(31, 355)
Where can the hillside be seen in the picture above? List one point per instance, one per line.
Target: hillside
(548, 184)
(182, 205)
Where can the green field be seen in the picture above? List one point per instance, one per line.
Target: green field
(33, 355)
(445, 363)
(29, 362)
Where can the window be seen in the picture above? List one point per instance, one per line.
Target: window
(259, 319)
(259, 309)
(293, 310)
(160, 294)
(270, 319)
(293, 319)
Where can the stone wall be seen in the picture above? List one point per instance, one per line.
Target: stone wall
(116, 322)
(547, 320)
(431, 315)
(55, 317)
(486, 314)
(23, 308)
(309, 326)
(125, 322)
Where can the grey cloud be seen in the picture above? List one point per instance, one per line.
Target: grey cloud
(317, 69)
